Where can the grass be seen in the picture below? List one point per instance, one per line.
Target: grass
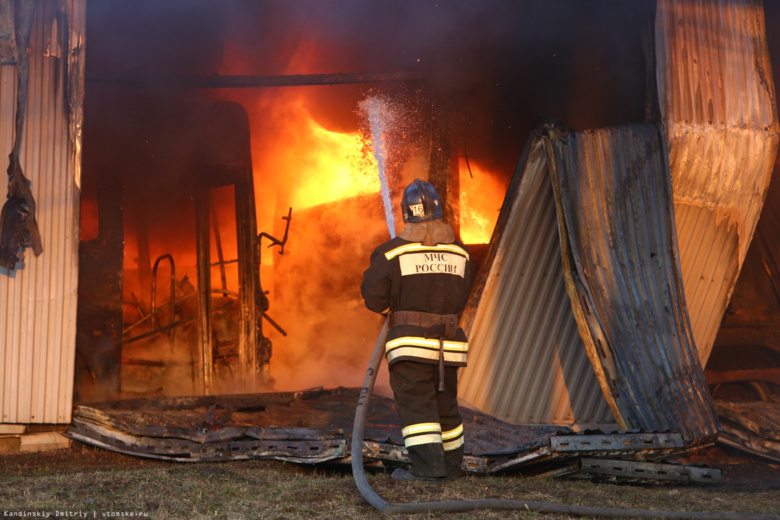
(98, 482)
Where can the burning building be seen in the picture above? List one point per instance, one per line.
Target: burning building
(213, 227)
(310, 142)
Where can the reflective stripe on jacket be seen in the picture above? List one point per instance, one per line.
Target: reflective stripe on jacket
(410, 276)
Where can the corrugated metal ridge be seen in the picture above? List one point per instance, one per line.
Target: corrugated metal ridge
(702, 48)
(724, 169)
(7, 110)
(718, 103)
(719, 109)
(527, 363)
(615, 204)
(709, 256)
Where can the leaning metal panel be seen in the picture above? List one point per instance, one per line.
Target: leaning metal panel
(527, 362)
(612, 191)
(622, 271)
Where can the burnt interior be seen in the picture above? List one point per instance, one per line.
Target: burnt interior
(165, 167)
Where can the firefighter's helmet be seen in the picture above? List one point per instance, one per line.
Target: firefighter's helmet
(420, 202)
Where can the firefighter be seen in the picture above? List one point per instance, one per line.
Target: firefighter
(421, 280)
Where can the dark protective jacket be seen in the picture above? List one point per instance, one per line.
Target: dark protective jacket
(409, 276)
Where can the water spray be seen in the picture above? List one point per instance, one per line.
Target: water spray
(381, 116)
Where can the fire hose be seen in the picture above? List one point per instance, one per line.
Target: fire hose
(460, 506)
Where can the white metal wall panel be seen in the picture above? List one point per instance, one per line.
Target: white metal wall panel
(718, 104)
(7, 365)
(38, 301)
(527, 362)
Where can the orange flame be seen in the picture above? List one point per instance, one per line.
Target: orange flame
(314, 287)
(320, 165)
(480, 201)
(339, 168)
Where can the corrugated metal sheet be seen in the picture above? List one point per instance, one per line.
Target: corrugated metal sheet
(527, 363)
(719, 109)
(623, 277)
(38, 301)
(611, 196)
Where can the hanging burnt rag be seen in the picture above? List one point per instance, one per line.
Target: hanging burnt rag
(14, 234)
(18, 226)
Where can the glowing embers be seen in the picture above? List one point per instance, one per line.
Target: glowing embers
(481, 196)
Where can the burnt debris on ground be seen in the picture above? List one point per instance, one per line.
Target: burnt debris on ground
(315, 426)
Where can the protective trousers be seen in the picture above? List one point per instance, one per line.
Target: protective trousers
(430, 420)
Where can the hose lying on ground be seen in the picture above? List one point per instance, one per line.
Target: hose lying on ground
(455, 506)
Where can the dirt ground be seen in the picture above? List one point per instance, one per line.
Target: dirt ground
(84, 478)
(741, 470)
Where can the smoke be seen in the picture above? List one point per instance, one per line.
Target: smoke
(502, 65)
(317, 295)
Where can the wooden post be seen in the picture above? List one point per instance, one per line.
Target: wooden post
(204, 287)
(443, 166)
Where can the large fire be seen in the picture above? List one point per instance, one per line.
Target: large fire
(330, 179)
(332, 183)
(329, 176)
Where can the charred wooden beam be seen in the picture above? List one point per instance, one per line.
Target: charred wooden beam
(249, 81)
(204, 296)
(768, 375)
(752, 426)
(236, 401)
(443, 165)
